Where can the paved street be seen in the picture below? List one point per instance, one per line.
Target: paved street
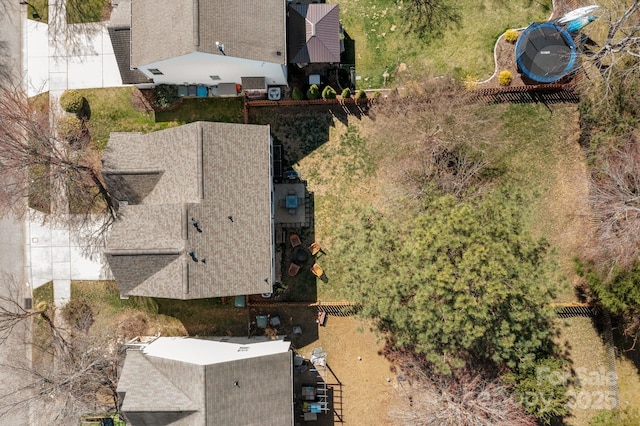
(12, 231)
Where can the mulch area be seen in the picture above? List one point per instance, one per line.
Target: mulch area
(505, 52)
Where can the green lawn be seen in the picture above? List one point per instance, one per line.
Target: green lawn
(112, 110)
(226, 110)
(78, 11)
(383, 42)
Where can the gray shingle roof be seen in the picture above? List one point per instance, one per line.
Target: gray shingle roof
(249, 29)
(119, 27)
(216, 173)
(314, 33)
(237, 389)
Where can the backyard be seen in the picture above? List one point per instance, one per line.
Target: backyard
(352, 160)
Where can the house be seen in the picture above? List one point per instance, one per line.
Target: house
(212, 43)
(225, 381)
(196, 211)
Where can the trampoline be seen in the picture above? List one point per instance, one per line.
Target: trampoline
(545, 52)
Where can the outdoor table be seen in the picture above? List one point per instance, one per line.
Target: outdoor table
(301, 255)
(291, 201)
(308, 393)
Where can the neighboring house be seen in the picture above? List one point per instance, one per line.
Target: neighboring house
(314, 33)
(196, 211)
(188, 381)
(206, 42)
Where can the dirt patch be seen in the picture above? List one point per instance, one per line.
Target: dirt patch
(353, 355)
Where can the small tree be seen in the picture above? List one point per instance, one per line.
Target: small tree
(361, 94)
(296, 94)
(346, 93)
(313, 92)
(72, 101)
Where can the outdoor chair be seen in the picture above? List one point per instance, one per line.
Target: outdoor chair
(317, 270)
(315, 248)
(295, 240)
(293, 269)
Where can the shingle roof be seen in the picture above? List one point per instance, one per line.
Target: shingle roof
(119, 27)
(217, 174)
(249, 29)
(314, 33)
(251, 386)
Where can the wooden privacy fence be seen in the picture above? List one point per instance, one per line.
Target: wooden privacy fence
(338, 309)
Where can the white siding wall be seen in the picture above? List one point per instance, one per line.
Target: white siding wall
(196, 67)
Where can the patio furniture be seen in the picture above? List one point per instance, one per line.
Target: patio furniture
(301, 255)
(315, 248)
(275, 321)
(293, 269)
(291, 201)
(317, 270)
(295, 240)
(261, 321)
(309, 417)
(308, 393)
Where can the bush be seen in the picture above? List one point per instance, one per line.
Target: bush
(313, 92)
(346, 93)
(505, 77)
(72, 101)
(69, 127)
(78, 313)
(297, 94)
(376, 94)
(166, 95)
(361, 94)
(328, 93)
(510, 36)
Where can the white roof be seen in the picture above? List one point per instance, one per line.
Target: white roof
(206, 352)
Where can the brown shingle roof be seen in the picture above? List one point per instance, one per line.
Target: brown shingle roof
(249, 29)
(314, 33)
(219, 174)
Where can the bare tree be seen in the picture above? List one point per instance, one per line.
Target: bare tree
(615, 197)
(40, 165)
(616, 55)
(465, 398)
(71, 371)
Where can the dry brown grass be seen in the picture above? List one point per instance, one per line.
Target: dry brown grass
(367, 393)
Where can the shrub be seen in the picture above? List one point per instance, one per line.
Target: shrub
(376, 94)
(510, 36)
(328, 93)
(72, 101)
(470, 82)
(297, 94)
(346, 93)
(166, 95)
(505, 77)
(69, 127)
(361, 94)
(313, 92)
(78, 313)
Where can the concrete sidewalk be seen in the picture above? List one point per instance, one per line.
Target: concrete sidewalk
(60, 57)
(53, 252)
